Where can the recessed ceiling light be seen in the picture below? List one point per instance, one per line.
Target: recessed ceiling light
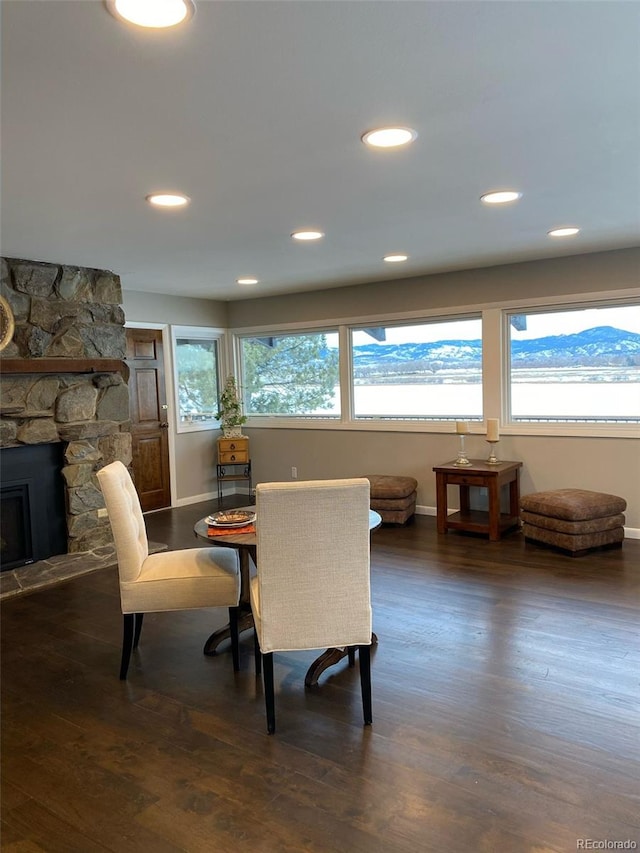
(168, 199)
(307, 235)
(567, 231)
(389, 137)
(246, 280)
(157, 14)
(501, 197)
(395, 259)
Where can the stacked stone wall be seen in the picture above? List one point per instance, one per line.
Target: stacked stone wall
(70, 313)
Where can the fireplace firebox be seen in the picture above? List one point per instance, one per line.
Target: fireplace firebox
(32, 504)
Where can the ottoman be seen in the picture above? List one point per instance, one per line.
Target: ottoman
(393, 497)
(575, 520)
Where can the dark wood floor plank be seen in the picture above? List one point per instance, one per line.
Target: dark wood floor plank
(45, 831)
(505, 697)
(82, 801)
(12, 840)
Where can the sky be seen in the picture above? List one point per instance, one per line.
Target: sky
(569, 322)
(538, 325)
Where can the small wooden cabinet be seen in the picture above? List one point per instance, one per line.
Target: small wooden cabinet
(233, 450)
(234, 462)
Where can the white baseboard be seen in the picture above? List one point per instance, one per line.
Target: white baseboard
(195, 499)
(212, 496)
(425, 510)
(629, 532)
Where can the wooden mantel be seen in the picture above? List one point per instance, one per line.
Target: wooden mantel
(64, 365)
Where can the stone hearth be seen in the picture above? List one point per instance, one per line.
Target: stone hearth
(64, 567)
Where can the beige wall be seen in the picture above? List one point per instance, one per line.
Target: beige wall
(195, 468)
(538, 279)
(603, 464)
(176, 310)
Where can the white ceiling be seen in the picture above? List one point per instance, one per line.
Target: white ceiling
(255, 110)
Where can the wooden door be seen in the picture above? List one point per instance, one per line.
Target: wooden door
(149, 423)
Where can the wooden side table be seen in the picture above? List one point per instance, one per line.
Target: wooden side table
(479, 474)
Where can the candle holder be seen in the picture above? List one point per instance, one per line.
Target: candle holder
(493, 459)
(462, 461)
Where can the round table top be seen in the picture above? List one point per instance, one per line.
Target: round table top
(248, 540)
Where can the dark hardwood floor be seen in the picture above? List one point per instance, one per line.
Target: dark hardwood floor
(505, 714)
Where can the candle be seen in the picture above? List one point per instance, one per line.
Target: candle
(461, 428)
(493, 431)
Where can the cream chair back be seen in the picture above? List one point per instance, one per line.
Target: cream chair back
(127, 521)
(313, 564)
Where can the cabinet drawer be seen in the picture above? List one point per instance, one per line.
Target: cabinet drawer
(230, 456)
(233, 444)
(466, 480)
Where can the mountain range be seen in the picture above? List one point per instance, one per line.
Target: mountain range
(601, 346)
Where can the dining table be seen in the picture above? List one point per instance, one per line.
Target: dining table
(245, 544)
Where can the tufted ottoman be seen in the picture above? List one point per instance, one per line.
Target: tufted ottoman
(575, 520)
(393, 497)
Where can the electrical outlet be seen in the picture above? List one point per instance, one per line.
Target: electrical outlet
(294, 473)
(102, 512)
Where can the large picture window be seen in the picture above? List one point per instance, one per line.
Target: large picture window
(577, 365)
(195, 352)
(430, 370)
(295, 375)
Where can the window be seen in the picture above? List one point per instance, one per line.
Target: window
(429, 371)
(578, 365)
(292, 375)
(196, 361)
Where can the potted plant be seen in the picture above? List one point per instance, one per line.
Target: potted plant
(230, 412)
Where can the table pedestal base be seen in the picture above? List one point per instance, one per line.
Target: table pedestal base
(245, 622)
(327, 659)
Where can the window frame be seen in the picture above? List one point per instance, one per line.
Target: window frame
(287, 419)
(557, 427)
(343, 326)
(409, 419)
(205, 333)
(494, 367)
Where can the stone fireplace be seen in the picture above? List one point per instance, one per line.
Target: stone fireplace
(64, 382)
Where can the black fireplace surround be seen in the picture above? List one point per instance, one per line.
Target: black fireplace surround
(32, 504)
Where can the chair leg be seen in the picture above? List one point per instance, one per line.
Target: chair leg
(233, 631)
(351, 651)
(269, 697)
(127, 643)
(138, 629)
(364, 653)
(257, 654)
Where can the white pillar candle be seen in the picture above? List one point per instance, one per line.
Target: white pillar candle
(493, 431)
(461, 428)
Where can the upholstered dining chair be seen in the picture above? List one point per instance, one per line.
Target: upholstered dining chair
(311, 589)
(169, 580)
